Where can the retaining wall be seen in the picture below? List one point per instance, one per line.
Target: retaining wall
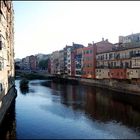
(113, 85)
(6, 101)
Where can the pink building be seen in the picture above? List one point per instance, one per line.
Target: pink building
(104, 46)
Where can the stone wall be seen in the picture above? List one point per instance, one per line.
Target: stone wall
(113, 85)
(129, 87)
(6, 102)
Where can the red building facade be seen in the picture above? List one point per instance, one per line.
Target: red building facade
(89, 61)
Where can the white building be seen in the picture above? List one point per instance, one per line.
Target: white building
(130, 38)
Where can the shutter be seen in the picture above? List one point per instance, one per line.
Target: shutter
(0, 45)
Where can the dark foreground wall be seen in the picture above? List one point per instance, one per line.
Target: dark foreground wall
(6, 102)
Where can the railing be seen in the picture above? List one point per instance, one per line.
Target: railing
(135, 55)
(113, 67)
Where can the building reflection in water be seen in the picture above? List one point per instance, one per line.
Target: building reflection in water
(70, 95)
(8, 126)
(96, 103)
(99, 104)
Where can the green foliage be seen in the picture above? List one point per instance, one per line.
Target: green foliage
(34, 76)
(24, 83)
(43, 64)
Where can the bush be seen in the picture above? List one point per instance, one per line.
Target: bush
(24, 83)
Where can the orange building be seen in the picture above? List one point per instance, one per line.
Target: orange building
(117, 73)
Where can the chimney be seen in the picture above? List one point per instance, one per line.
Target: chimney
(72, 43)
(106, 40)
(89, 44)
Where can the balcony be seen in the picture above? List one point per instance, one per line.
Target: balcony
(113, 67)
(135, 55)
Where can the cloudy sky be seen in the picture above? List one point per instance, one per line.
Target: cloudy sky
(47, 26)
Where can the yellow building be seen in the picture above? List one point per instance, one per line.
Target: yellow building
(124, 61)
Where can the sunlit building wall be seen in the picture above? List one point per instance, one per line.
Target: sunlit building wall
(6, 45)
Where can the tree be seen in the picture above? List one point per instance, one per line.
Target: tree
(17, 67)
(43, 64)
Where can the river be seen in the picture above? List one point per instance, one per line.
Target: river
(65, 111)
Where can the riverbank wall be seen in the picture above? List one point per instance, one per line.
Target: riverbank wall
(6, 101)
(119, 86)
(123, 86)
(111, 84)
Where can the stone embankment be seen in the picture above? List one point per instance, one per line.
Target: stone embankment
(115, 85)
(111, 84)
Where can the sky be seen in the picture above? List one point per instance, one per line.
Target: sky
(47, 26)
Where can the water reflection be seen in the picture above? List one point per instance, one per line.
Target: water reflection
(24, 90)
(24, 87)
(55, 111)
(98, 104)
(8, 127)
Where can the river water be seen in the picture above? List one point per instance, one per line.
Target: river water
(65, 111)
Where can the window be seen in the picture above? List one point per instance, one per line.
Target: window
(0, 65)
(134, 52)
(0, 45)
(86, 51)
(1, 87)
(111, 64)
(114, 64)
(106, 56)
(110, 55)
(126, 65)
(121, 64)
